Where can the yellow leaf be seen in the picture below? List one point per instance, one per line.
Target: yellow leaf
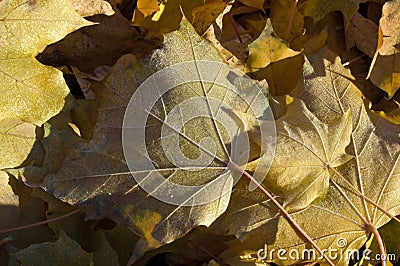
(144, 8)
(204, 15)
(30, 91)
(270, 58)
(16, 141)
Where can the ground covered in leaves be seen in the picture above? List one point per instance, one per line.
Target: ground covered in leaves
(329, 69)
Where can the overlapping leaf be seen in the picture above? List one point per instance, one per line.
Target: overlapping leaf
(66, 251)
(319, 9)
(17, 139)
(342, 214)
(37, 93)
(385, 67)
(271, 58)
(306, 149)
(95, 175)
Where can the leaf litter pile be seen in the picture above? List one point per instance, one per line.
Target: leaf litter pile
(329, 69)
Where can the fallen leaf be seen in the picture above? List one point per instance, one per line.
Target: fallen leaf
(392, 116)
(17, 139)
(37, 93)
(169, 16)
(339, 219)
(9, 213)
(270, 58)
(267, 49)
(64, 251)
(385, 66)
(281, 20)
(259, 4)
(144, 8)
(362, 33)
(317, 9)
(205, 15)
(253, 22)
(390, 232)
(306, 147)
(101, 44)
(93, 7)
(20, 208)
(95, 177)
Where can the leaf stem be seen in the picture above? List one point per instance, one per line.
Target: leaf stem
(371, 228)
(39, 223)
(293, 13)
(234, 26)
(295, 225)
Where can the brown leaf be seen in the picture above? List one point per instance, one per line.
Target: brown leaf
(362, 33)
(385, 67)
(101, 44)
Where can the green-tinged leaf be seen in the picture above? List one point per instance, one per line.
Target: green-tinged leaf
(318, 9)
(123, 241)
(270, 58)
(338, 220)
(36, 93)
(16, 141)
(95, 175)
(385, 67)
(63, 252)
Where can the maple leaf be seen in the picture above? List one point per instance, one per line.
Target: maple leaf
(93, 7)
(271, 58)
(95, 175)
(362, 193)
(36, 93)
(306, 149)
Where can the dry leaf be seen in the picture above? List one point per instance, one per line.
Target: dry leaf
(385, 67)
